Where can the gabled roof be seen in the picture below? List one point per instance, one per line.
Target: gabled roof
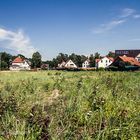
(86, 61)
(97, 60)
(130, 60)
(110, 58)
(18, 60)
(62, 64)
(68, 61)
(138, 55)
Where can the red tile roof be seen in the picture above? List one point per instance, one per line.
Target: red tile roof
(97, 60)
(111, 58)
(130, 60)
(18, 60)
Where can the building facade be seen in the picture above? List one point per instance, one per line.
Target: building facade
(68, 64)
(20, 64)
(86, 64)
(104, 62)
(129, 53)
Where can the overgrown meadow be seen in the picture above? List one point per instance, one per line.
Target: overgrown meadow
(55, 105)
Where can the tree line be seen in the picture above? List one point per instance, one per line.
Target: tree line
(36, 60)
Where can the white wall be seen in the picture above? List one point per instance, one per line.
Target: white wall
(85, 64)
(20, 66)
(70, 64)
(103, 63)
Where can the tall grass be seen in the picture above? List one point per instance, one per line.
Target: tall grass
(88, 105)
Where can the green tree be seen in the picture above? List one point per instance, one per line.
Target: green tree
(5, 60)
(62, 57)
(92, 60)
(21, 56)
(111, 54)
(97, 55)
(36, 60)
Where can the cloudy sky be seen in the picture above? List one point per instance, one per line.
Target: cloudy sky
(79, 26)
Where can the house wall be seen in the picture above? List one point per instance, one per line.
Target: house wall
(62, 65)
(85, 64)
(138, 57)
(20, 66)
(103, 63)
(70, 64)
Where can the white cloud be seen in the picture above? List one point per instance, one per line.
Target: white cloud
(109, 26)
(136, 16)
(17, 42)
(120, 19)
(126, 12)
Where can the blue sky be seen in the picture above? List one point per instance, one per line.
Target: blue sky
(67, 26)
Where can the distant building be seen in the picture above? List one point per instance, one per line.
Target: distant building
(122, 61)
(45, 66)
(68, 64)
(20, 64)
(129, 53)
(86, 64)
(138, 57)
(62, 64)
(103, 62)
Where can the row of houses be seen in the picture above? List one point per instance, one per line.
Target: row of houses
(127, 56)
(132, 57)
(103, 62)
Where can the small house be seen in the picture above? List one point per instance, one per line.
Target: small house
(62, 64)
(20, 64)
(86, 64)
(138, 57)
(103, 62)
(70, 64)
(122, 61)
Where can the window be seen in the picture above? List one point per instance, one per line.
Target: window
(101, 61)
(106, 61)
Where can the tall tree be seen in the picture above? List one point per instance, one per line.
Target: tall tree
(62, 57)
(5, 60)
(92, 60)
(111, 54)
(36, 60)
(21, 56)
(97, 55)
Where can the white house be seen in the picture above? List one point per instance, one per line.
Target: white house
(138, 57)
(62, 65)
(104, 62)
(20, 64)
(68, 64)
(86, 64)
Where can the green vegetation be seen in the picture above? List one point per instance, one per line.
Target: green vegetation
(69, 105)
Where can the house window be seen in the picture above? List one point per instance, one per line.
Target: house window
(106, 61)
(101, 61)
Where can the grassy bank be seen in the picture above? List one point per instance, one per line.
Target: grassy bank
(69, 105)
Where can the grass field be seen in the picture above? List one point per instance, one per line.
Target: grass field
(69, 105)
